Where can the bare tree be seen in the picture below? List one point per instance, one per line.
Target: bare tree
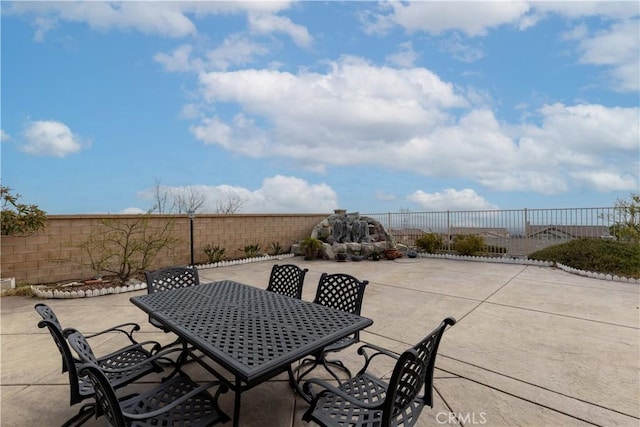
(163, 202)
(229, 205)
(188, 198)
(180, 200)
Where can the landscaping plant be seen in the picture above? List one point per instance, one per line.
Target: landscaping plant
(252, 251)
(468, 244)
(430, 243)
(19, 218)
(214, 253)
(125, 247)
(596, 255)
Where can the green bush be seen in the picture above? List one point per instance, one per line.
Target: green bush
(596, 255)
(19, 218)
(430, 243)
(468, 244)
(214, 253)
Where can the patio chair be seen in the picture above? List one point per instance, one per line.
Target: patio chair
(367, 400)
(134, 359)
(177, 400)
(166, 279)
(342, 292)
(287, 280)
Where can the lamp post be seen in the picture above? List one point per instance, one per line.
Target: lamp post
(192, 214)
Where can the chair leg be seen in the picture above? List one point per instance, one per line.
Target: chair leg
(83, 415)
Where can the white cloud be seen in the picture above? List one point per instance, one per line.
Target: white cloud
(411, 120)
(357, 112)
(607, 181)
(588, 128)
(179, 60)
(268, 23)
(405, 57)
(4, 136)
(473, 18)
(450, 199)
(578, 9)
(170, 19)
(163, 18)
(50, 138)
(276, 194)
(476, 18)
(235, 50)
(461, 50)
(133, 211)
(617, 48)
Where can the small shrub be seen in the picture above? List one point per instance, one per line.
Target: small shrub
(251, 251)
(596, 255)
(311, 246)
(430, 243)
(19, 290)
(214, 253)
(468, 244)
(275, 248)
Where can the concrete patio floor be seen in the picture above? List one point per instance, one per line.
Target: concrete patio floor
(533, 345)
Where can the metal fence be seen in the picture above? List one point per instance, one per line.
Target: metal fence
(515, 233)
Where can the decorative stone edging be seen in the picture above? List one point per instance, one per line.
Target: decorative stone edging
(245, 260)
(62, 294)
(527, 261)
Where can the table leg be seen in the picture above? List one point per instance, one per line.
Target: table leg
(236, 404)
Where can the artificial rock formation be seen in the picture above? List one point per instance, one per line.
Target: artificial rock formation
(351, 233)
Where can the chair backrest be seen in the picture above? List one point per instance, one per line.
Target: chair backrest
(79, 343)
(78, 392)
(169, 278)
(105, 396)
(413, 370)
(287, 280)
(341, 291)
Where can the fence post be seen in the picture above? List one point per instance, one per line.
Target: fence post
(448, 230)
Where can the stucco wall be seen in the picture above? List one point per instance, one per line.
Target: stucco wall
(53, 254)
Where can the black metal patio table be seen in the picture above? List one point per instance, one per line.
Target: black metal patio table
(252, 333)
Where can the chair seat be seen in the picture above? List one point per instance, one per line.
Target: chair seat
(199, 410)
(332, 409)
(123, 358)
(367, 400)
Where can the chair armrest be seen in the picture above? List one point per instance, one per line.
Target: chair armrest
(330, 388)
(221, 389)
(377, 351)
(119, 328)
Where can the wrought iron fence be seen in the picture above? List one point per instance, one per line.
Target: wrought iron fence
(514, 233)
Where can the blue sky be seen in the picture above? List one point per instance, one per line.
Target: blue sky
(313, 106)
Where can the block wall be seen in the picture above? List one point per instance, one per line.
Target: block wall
(54, 254)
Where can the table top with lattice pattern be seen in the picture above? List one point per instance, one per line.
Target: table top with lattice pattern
(249, 331)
